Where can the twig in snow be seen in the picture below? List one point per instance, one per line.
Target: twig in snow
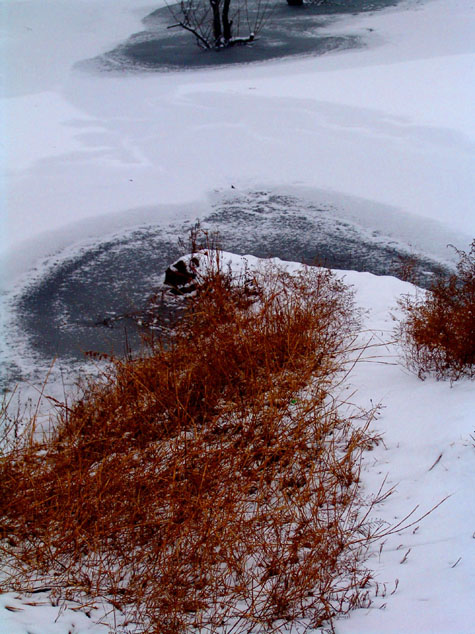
(436, 462)
(404, 559)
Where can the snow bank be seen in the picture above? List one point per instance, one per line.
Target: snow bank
(427, 454)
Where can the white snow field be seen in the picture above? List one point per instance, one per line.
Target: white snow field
(86, 154)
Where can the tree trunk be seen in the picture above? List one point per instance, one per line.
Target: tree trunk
(227, 23)
(217, 32)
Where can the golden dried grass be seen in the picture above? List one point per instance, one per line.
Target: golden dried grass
(211, 484)
(438, 331)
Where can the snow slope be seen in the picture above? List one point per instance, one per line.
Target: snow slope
(424, 573)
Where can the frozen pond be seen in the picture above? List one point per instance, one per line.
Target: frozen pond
(95, 297)
(114, 143)
(286, 31)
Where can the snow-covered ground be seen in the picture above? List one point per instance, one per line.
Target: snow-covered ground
(425, 574)
(392, 124)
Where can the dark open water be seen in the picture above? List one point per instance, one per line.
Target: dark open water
(286, 31)
(88, 301)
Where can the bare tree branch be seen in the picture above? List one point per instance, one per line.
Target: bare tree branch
(191, 30)
(215, 23)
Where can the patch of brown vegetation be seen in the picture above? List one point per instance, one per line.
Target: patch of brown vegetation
(438, 331)
(212, 483)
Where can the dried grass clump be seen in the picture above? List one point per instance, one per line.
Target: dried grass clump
(438, 332)
(211, 484)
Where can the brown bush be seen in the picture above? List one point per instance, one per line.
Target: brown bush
(438, 331)
(211, 483)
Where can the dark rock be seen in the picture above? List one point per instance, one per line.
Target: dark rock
(180, 276)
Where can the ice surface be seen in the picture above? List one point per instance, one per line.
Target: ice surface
(391, 123)
(381, 138)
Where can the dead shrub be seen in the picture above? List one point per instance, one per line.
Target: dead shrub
(438, 331)
(211, 484)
